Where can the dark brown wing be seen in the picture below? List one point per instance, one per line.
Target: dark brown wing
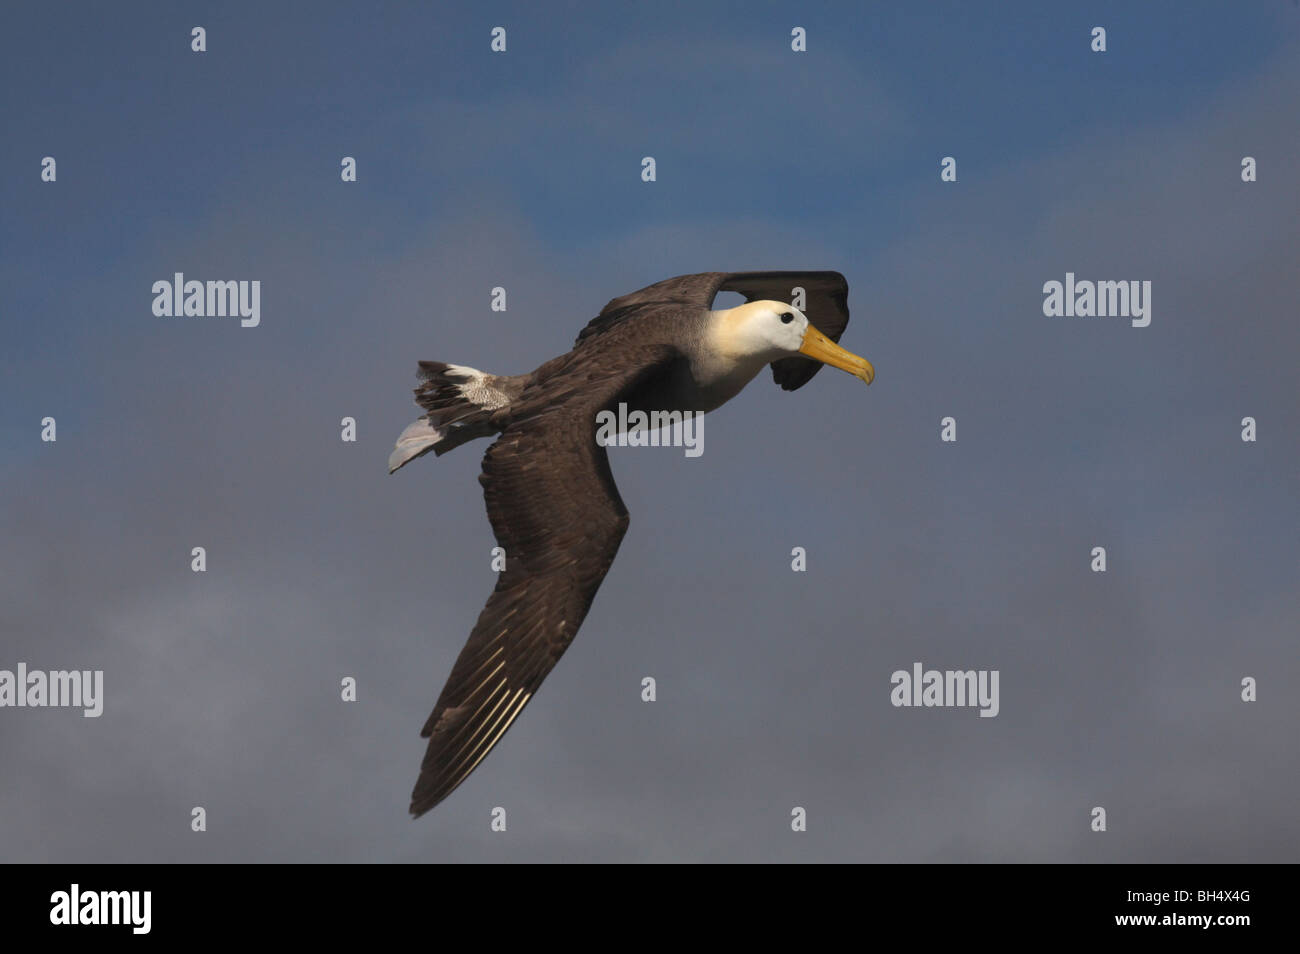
(826, 303)
(557, 514)
(697, 291)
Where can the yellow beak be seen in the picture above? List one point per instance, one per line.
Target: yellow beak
(817, 345)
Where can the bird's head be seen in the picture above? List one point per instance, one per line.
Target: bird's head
(770, 330)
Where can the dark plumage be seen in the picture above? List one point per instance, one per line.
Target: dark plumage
(550, 496)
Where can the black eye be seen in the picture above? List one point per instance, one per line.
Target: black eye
(787, 318)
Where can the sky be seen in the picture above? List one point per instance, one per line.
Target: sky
(1119, 690)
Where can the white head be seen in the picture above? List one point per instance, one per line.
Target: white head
(761, 330)
(764, 331)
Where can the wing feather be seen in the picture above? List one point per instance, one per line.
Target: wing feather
(826, 303)
(557, 513)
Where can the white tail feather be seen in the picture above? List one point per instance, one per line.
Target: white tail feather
(418, 438)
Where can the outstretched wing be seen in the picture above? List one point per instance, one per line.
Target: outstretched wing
(556, 512)
(826, 303)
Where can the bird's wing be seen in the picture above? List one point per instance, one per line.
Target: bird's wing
(558, 516)
(826, 303)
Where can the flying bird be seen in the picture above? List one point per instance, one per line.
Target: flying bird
(550, 496)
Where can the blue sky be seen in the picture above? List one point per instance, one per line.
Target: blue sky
(996, 87)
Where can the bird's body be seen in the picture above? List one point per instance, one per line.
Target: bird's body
(550, 495)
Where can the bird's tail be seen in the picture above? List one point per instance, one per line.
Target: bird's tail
(460, 404)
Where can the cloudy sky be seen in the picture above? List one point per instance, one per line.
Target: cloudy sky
(1119, 690)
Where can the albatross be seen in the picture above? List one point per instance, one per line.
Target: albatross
(551, 498)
